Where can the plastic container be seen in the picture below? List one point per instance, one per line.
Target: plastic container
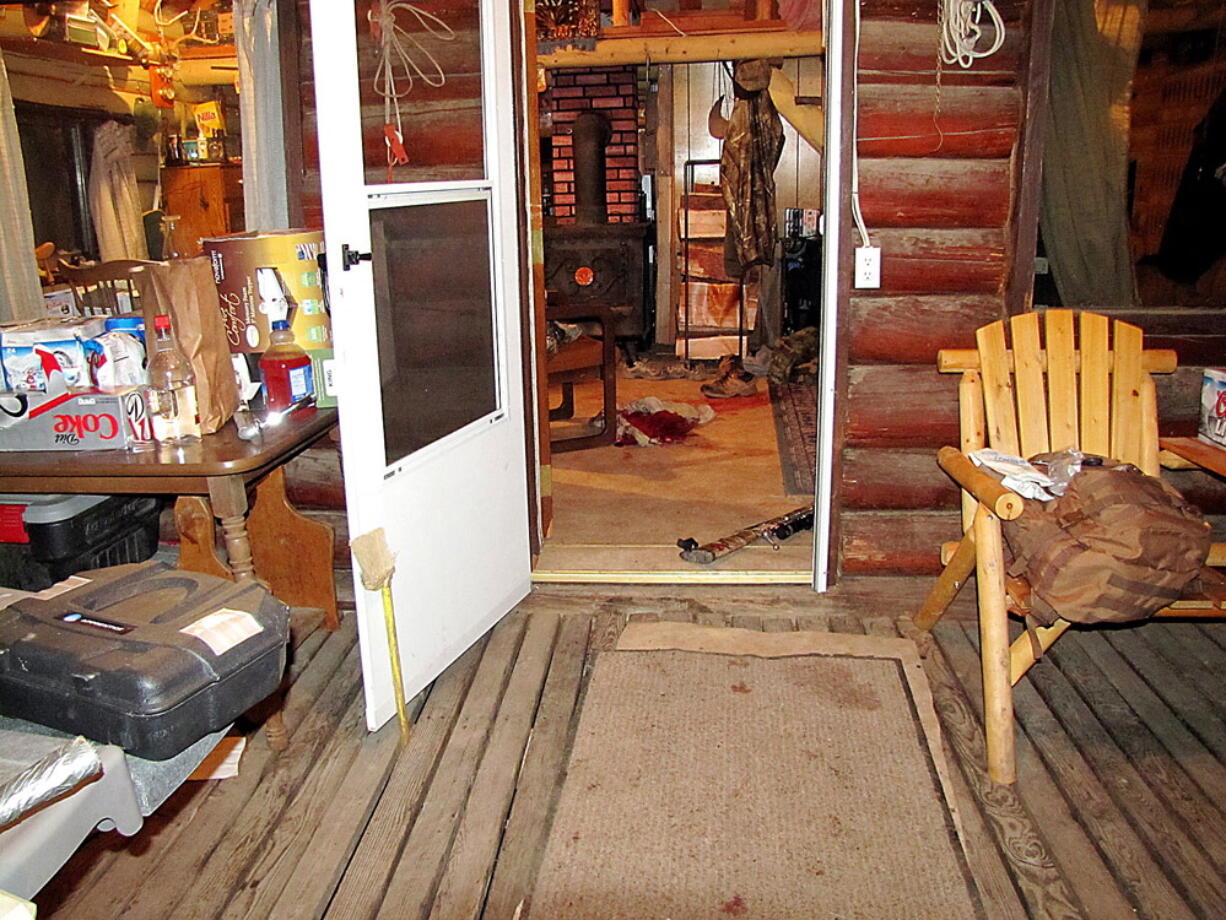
(133, 324)
(285, 369)
(143, 656)
(68, 533)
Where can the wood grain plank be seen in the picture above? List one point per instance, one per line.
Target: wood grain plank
(997, 388)
(540, 779)
(1196, 712)
(470, 864)
(310, 887)
(1197, 872)
(417, 872)
(1066, 844)
(897, 121)
(910, 329)
(1028, 379)
(232, 799)
(216, 878)
(1198, 664)
(361, 888)
(1166, 776)
(257, 887)
(972, 433)
(1126, 401)
(1095, 385)
(1039, 879)
(1061, 379)
(1182, 745)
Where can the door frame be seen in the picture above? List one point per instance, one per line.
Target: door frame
(836, 274)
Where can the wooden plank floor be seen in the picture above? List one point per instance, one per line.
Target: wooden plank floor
(1120, 809)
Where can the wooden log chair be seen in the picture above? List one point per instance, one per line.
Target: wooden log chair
(585, 358)
(1092, 390)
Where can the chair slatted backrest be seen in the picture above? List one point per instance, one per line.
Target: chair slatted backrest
(1059, 380)
(107, 288)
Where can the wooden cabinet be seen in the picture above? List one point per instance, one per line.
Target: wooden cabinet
(208, 200)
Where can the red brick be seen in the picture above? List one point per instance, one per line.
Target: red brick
(562, 162)
(564, 177)
(564, 92)
(561, 79)
(597, 91)
(622, 209)
(564, 117)
(620, 185)
(590, 79)
(568, 105)
(621, 162)
(620, 125)
(562, 140)
(565, 198)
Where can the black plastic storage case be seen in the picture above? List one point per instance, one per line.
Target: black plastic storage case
(143, 656)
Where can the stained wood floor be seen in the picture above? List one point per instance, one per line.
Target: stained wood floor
(1119, 811)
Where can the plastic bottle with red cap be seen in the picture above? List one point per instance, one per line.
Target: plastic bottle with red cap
(171, 396)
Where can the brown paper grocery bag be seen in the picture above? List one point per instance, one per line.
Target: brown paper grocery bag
(183, 289)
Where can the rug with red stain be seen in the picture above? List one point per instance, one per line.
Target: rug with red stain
(731, 773)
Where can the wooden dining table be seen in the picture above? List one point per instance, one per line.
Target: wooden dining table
(264, 538)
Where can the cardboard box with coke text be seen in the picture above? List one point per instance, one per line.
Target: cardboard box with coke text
(1213, 406)
(74, 420)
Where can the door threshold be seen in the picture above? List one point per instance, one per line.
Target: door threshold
(602, 563)
(747, 577)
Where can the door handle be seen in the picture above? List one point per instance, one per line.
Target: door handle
(350, 258)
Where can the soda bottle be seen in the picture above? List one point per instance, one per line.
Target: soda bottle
(285, 369)
(172, 389)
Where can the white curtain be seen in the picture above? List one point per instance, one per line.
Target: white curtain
(1085, 162)
(259, 76)
(20, 294)
(114, 198)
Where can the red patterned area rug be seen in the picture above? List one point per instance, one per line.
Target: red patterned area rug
(795, 409)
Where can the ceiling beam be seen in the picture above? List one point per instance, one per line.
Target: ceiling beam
(687, 49)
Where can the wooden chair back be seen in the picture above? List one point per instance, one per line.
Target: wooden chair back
(1058, 380)
(105, 289)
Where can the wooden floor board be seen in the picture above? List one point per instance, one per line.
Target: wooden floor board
(1039, 878)
(360, 890)
(1188, 703)
(470, 862)
(1119, 810)
(1166, 836)
(217, 878)
(1122, 849)
(544, 764)
(415, 879)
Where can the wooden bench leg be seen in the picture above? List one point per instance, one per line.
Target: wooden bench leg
(1021, 653)
(994, 648)
(950, 582)
(198, 537)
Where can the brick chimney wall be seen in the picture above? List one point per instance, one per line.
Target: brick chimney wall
(612, 91)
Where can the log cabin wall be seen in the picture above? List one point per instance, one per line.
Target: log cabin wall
(937, 165)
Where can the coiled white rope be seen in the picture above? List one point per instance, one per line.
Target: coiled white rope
(962, 28)
(403, 60)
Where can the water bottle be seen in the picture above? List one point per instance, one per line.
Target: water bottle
(172, 390)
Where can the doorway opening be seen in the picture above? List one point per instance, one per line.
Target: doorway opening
(715, 361)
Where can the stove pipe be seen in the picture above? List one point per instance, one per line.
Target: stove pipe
(591, 134)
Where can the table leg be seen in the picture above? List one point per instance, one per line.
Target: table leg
(228, 495)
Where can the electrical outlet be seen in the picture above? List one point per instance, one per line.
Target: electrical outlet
(868, 267)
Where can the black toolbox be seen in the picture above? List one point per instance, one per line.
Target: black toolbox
(143, 656)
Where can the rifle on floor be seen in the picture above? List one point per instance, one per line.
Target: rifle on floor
(772, 531)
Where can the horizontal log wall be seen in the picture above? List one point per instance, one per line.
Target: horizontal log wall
(935, 174)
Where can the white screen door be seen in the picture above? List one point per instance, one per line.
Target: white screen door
(416, 149)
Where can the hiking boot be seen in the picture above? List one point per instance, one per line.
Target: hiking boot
(733, 380)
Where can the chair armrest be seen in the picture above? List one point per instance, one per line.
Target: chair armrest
(1003, 502)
